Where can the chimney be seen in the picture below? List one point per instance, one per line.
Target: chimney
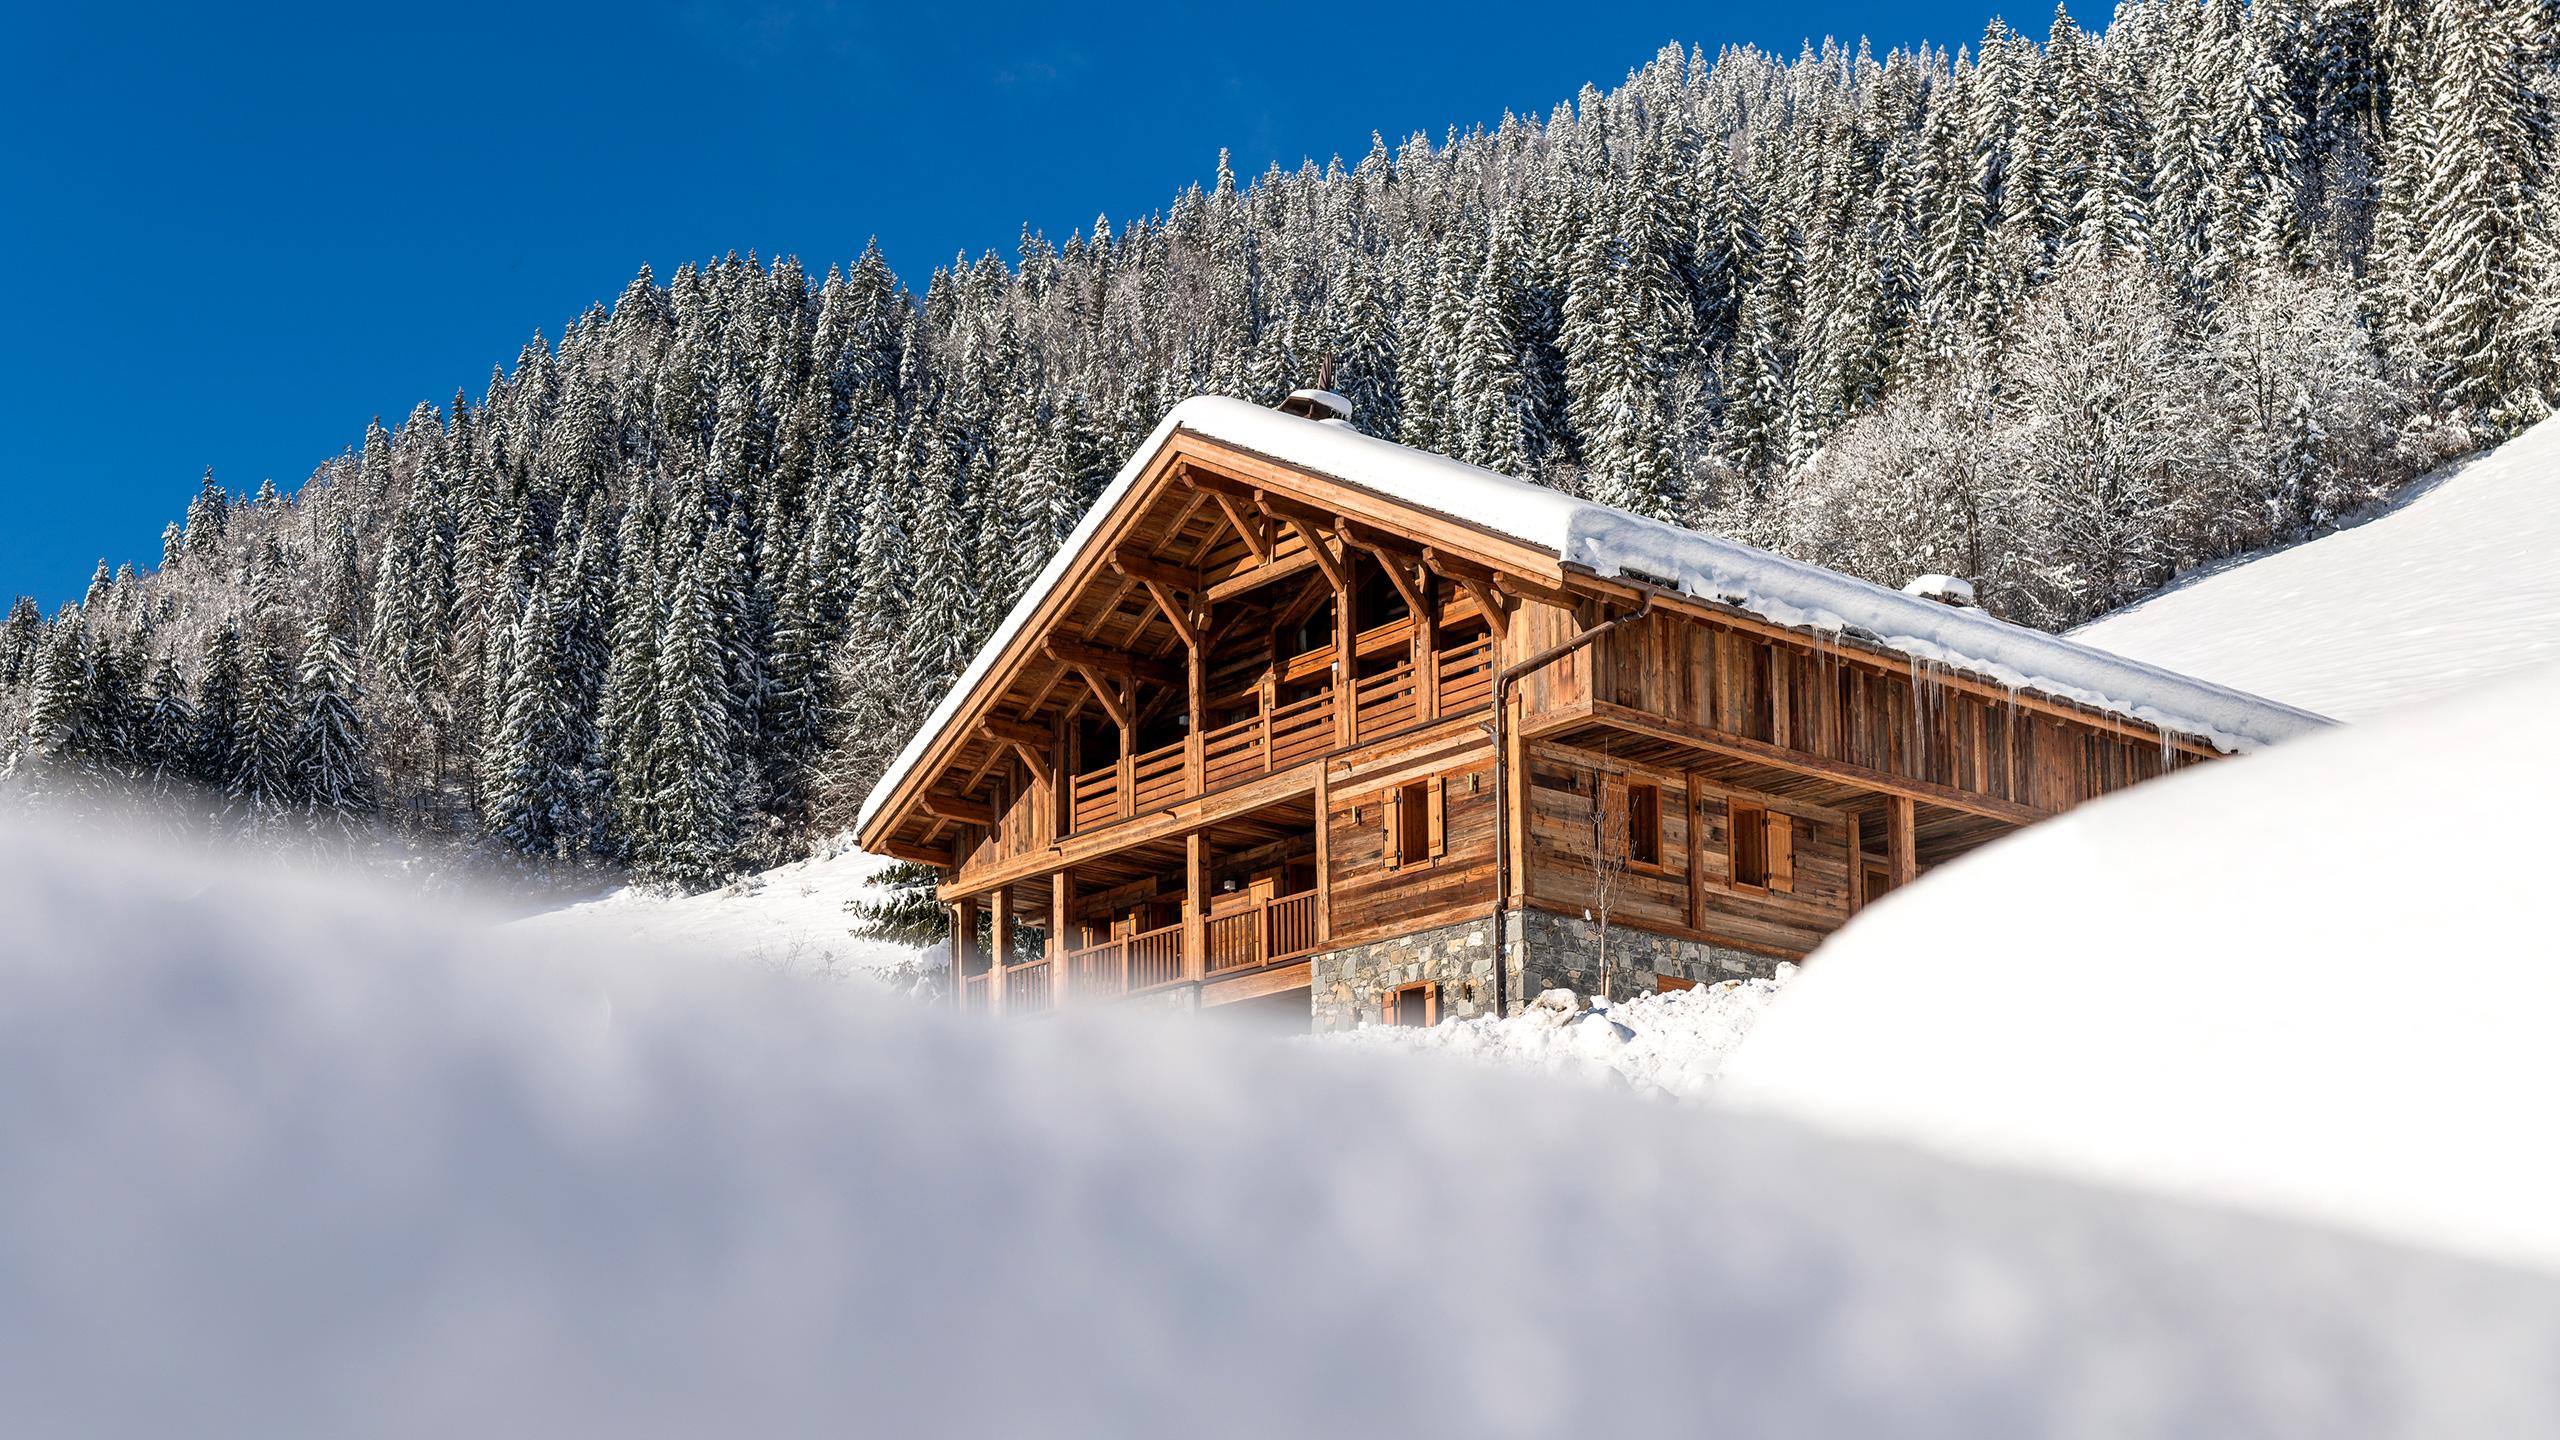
(1319, 404)
(1322, 406)
(1945, 589)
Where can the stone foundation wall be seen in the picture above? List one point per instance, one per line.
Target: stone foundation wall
(1548, 951)
(1563, 952)
(1351, 985)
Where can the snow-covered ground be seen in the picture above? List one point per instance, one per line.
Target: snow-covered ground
(291, 1157)
(795, 917)
(2448, 589)
(1668, 1044)
(2319, 981)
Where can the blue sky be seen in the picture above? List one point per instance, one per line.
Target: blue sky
(238, 232)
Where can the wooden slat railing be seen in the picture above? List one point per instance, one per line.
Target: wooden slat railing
(1232, 752)
(1301, 730)
(1097, 970)
(1097, 798)
(1156, 777)
(973, 994)
(1263, 934)
(1466, 676)
(1026, 989)
(1155, 958)
(1290, 928)
(1235, 941)
(1387, 700)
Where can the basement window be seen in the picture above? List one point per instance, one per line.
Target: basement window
(1415, 1006)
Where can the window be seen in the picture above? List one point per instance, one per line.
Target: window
(1763, 847)
(1417, 823)
(1644, 825)
(1417, 1006)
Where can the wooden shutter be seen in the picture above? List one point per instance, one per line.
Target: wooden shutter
(1746, 839)
(1439, 817)
(1782, 853)
(1392, 802)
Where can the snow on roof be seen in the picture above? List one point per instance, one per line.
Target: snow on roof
(1614, 543)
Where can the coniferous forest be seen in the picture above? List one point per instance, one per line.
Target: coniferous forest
(2063, 315)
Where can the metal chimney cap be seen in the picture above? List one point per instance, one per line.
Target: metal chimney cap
(1945, 589)
(1316, 405)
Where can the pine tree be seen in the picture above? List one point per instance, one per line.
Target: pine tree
(694, 757)
(333, 774)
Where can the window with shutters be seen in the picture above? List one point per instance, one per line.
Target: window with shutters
(1644, 825)
(1417, 823)
(1762, 845)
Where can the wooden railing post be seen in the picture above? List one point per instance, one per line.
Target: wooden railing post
(1061, 895)
(999, 947)
(964, 942)
(1195, 907)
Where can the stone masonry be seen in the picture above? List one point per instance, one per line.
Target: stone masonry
(1350, 986)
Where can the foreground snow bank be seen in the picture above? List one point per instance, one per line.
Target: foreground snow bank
(2317, 981)
(292, 1159)
(1670, 1044)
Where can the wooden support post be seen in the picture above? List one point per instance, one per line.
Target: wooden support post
(1516, 799)
(964, 947)
(1195, 905)
(1857, 863)
(1062, 891)
(1346, 659)
(1426, 654)
(1901, 839)
(1129, 756)
(999, 946)
(1324, 851)
(1693, 836)
(1194, 755)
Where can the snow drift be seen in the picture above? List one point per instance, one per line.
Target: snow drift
(2453, 586)
(2318, 981)
(287, 1158)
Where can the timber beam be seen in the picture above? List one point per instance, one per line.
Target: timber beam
(1148, 570)
(966, 812)
(1098, 661)
(1660, 727)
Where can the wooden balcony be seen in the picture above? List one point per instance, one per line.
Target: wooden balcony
(1281, 737)
(1146, 961)
(1265, 933)
(1271, 932)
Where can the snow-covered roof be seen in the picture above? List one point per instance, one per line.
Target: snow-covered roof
(1614, 543)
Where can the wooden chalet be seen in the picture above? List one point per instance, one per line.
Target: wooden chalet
(1298, 713)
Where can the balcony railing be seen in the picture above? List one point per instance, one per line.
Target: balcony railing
(1280, 738)
(1027, 990)
(1262, 934)
(1125, 966)
(1269, 932)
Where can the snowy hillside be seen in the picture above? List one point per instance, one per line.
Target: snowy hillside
(2453, 587)
(327, 1165)
(2317, 981)
(795, 917)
